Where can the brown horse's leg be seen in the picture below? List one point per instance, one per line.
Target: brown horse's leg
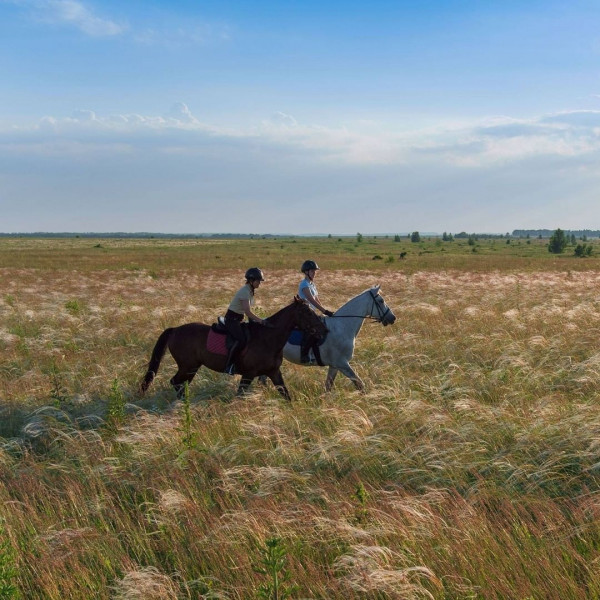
(244, 385)
(179, 379)
(277, 379)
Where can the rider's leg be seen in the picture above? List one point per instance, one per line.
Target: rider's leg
(234, 326)
(230, 364)
(307, 343)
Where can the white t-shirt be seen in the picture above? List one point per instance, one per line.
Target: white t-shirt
(304, 284)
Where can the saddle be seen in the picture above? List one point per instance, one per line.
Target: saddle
(297, 337)
(220, 341)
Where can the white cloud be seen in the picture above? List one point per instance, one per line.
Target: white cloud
(70, 12)
(182, 114)
(567, 136)
(281, 119)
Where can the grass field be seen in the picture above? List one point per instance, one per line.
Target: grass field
(470, 468)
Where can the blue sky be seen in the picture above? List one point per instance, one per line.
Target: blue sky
(299, 117)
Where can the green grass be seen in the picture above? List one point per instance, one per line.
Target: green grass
(159, 255)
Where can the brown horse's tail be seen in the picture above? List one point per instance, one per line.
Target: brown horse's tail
(157, 355)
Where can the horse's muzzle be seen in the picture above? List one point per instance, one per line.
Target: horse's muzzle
(388, 320)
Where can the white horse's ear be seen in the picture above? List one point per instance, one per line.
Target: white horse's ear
(376, 289)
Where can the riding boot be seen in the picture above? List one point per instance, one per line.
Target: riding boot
(305, 347)
(230, 364)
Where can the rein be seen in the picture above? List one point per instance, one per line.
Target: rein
(379, 319)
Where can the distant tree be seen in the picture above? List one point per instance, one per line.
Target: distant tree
(359, 237)
(471, 240)
(557, 242)
(415, 237)
(396, 238)
(582, 250)
(573, 239)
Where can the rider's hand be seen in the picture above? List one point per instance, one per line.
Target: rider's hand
(328, 313)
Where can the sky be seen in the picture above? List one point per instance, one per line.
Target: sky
(299, 117)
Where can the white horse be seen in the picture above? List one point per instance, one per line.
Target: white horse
(338, 348)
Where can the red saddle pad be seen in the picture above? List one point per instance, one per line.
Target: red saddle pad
(215, 343)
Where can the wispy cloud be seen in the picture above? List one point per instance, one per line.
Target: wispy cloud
(570, 135)
(84, 17)
(72, 13)
(180, 36)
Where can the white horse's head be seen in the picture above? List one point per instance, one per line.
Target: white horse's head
(380, 311)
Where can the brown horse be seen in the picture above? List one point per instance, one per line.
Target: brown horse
(262, 355)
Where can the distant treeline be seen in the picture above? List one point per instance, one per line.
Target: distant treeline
(546, 233)
(484, 236)
(141, 234)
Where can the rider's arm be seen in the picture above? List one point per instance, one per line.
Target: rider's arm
(312, 299)
(248, 312)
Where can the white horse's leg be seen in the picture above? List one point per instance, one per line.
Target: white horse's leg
(346, 369)
(331, 373)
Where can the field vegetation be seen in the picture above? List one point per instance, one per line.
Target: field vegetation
(470, 468)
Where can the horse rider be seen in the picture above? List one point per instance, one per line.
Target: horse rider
(307, 290)
(241, 305)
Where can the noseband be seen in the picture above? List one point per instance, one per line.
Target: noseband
(382, 313)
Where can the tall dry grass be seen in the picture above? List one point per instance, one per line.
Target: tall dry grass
(469, 468)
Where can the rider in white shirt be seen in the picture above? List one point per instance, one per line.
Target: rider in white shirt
(307, 290)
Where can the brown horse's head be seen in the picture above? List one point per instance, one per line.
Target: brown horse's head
(307, 319)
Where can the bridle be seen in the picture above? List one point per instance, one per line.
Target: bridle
(380, 311)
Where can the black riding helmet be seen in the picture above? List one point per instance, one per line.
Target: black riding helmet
(307, 265)
(254, 273)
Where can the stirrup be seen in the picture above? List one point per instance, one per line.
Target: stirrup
(230, 369)
(307, 360)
